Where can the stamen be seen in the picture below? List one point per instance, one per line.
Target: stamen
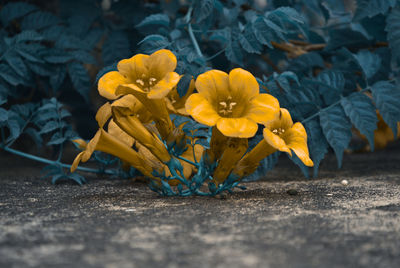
(231, 105)
(140, 82)
(223, 104)
(152, 80)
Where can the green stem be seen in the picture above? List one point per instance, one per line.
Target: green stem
(51, 162)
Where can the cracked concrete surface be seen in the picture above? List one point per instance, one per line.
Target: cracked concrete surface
(119, 223)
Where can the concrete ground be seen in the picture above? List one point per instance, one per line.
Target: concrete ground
(119, 223)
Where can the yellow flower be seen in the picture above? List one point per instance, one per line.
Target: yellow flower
(175, 103)
(231, 102)
(285, 136)
(279, 134)
(150, 74)
(107, 143)
(127, 114)
(130, 105)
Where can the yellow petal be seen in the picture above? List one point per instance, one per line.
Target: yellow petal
(103, 114)
(160, 63)
(263, 108)
(213, 85)
(134, 68)
(237, 127)
(296, 139)
(201, 110)
(81, 143)
(118, 133)
(243, 85)
(164, 86)
(283, 121)
(108, 84)
(275, 141)
(76, 162)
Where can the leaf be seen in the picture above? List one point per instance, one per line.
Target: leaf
(153, 42)
(233, 51)
(393, 30)
(3, 115)
(369, 62)
(8, 75)
(38, 20)
(154, 19)
(266, 31)
(371, 8)
(15, 10)
(337, 129)
(58, 78)
(49, 127)
(55, 55)
(331, 85)
(35, 135)
(346, 38)
(317, 143)
(16, 63)
(248, 40)
(15, 129)
(116, 47)
(362, 113)
(27, 36)
(183, 85)
(203, 9)
(80, 78)
(387, 99)
(56, 139)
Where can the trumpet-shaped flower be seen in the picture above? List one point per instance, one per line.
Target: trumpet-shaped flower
(231, 102)
(285, 136)
(107, 143)
(150, 74)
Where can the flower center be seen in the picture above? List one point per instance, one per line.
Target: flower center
(146, 83)
(278, 131)
(226, 107)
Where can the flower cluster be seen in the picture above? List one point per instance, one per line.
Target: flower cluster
(143, 94)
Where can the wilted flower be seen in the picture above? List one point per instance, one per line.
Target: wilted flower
(231, 102)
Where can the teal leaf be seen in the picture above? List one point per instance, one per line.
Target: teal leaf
(248, 40)
(337, 129)
(266, 31)
(16, 63)
(371, 8)
(317, 143)
(393, 31)
(183, 85)
(80, 78)
(387, 100)
(15, 10)
(3, 115)
(8, 75)
(369, 62)
(362, 113)
(38, 20)
(154, 19)
(203, 9)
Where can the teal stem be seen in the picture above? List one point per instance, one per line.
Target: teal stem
(216, 54)
(188, 161)
(51, 162)
(191, 34)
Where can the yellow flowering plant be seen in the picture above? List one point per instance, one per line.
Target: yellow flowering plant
(184, 142)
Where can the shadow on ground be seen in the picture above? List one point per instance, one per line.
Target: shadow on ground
(119, 223)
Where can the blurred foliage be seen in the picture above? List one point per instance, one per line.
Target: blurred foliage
(331, 63)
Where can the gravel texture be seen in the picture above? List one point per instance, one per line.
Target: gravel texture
(284, 220)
